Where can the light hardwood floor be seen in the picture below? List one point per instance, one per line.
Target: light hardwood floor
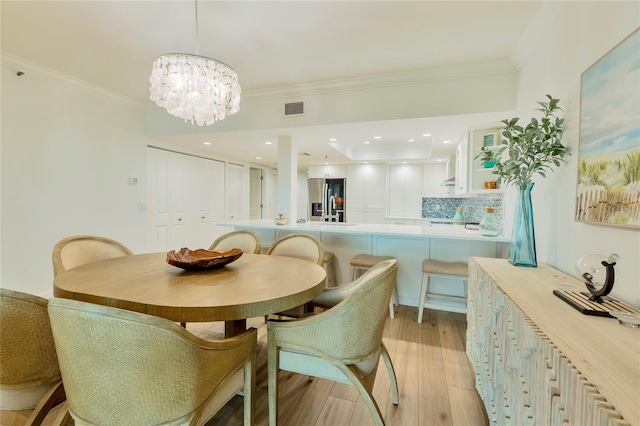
(435, 380)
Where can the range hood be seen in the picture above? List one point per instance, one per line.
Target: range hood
(449, 182)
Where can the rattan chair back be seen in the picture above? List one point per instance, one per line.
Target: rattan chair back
(28, 361)
(301, 246)
(81, 249)
(343, 343)
(126, 368)
(245, 240)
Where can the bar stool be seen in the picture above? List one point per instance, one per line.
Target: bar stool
(362, 262)
(329, 265)
(439, 268)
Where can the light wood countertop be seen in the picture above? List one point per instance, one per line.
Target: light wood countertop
(604, 351)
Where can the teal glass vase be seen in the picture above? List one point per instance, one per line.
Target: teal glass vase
(522, 248)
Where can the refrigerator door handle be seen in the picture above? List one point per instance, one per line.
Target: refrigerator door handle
(325, 190)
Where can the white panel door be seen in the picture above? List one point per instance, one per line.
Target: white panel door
(255, 193)
(207, 177)
(180, 193)
(158, 201)
(234, 192)
(186, 199)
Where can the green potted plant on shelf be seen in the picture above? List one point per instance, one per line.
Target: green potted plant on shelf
(533, 149)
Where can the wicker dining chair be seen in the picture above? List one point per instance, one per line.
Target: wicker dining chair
(342, 343)
(245, 240)
(81, 249)
(126, 368)
(300, 246)
(29, 374)
(334, 295)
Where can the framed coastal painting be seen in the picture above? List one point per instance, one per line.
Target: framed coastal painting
(609, 153)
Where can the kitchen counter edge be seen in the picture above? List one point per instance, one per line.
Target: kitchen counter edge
(455, 232)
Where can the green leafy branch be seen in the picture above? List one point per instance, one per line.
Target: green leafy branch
(533, 149)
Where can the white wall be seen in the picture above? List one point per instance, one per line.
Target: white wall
(66, 155)
(576, 37)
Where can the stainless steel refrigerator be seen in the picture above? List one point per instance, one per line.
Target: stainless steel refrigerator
(327, 200)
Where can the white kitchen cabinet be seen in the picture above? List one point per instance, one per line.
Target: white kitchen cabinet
(328, 171)
(366, 215)
(478, 174)
(432, 177)
(405, 198)
(365, 197)
(462, 166)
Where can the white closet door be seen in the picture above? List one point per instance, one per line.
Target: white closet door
(207, 200)
(185, 200)
(255, 193)
(158, 201)
(235, 192)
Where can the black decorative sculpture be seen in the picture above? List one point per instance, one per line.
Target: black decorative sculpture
(598, 274)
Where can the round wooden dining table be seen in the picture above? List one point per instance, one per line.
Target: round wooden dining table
(254, 285)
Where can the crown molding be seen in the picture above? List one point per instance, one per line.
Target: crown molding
(35, 70)
(419, 76)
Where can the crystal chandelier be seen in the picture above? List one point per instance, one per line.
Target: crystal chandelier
(195, 88)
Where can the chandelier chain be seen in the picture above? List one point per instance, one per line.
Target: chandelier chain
(197, 53)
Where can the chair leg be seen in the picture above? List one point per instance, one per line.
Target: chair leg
(53, 397)
(423, 294)
(272, 377)
(353, 273)
(64, 417)
(250, 391)
(370, 402)
(392, 374)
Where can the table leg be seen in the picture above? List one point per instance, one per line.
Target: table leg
(233, 328)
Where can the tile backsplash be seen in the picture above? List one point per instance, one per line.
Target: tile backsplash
(472, 208)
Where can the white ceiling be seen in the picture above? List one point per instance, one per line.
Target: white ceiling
(111, 44)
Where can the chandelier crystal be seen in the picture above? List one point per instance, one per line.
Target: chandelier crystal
(198, 89)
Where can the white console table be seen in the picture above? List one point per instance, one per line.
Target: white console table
(539, 361)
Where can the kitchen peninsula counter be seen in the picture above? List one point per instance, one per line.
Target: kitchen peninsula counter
(442, 231)
(410, 244)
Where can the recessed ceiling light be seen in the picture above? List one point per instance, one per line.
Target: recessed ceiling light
(404, 162)
(411, 140)
(268, 143)
(258, 158)
(426, 134)
(439, 159)
(333, 139)
(446, 141)
(366, 142)
(366, 162)
(207, 143)
(377, 137)
(326, 162)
